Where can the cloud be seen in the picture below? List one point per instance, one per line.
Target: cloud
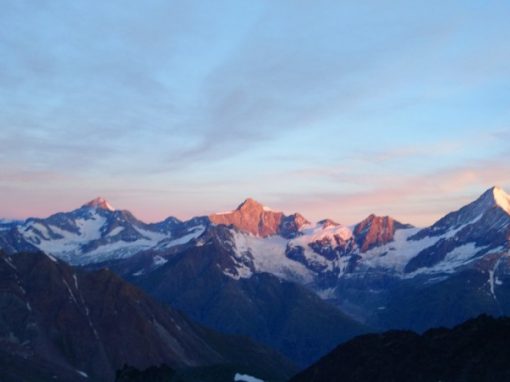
(282, 79)
(414, 198)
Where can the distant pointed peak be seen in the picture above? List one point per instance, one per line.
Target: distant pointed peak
(100, 203)
(493, 197)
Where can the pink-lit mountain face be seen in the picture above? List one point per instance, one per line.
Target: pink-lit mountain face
(252, 217)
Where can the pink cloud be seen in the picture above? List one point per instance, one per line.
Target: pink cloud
(414, 198)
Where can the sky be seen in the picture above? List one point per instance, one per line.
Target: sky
(334, 109)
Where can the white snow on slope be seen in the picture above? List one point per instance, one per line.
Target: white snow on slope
(90, 229)
(82, 373)
(158, 261)
(117, 250)
(115, 231)
(195, 233)
(397, 253)
(42, 230)
(154, 237)
(493, 281)
(69, 246)
(456, 258)
(268, 255)
(317, 232)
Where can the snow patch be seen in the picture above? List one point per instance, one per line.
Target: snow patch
(158, 261)
(456, 258)
(42, 230)
(195, 233)
(493, 281)
(242, 271)
(246, 378)
(317, 232)
(327, 294)
(115, 231)
(397, 253)
(82, 373)
(71, 294)
(8, 261)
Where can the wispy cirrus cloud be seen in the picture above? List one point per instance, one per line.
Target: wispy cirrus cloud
(419, 199)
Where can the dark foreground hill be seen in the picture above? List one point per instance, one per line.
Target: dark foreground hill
(475, 351)
(59, 323)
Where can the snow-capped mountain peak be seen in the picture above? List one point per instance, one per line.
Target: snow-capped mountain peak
(501, 198)
(100, 203)
(493, 197)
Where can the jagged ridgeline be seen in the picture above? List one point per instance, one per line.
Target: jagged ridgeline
(298, 286)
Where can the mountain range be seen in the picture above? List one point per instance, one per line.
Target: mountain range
(298, 286)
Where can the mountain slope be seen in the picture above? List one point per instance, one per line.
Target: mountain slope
(475, 351)
(420, 303)
(483, 224)
(281, 314)
(92, 323)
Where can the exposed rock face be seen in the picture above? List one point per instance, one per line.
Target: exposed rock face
(375, 231)
(252, 217)
(291, 225)
(474, 351)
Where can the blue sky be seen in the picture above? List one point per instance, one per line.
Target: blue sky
(331, 108)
